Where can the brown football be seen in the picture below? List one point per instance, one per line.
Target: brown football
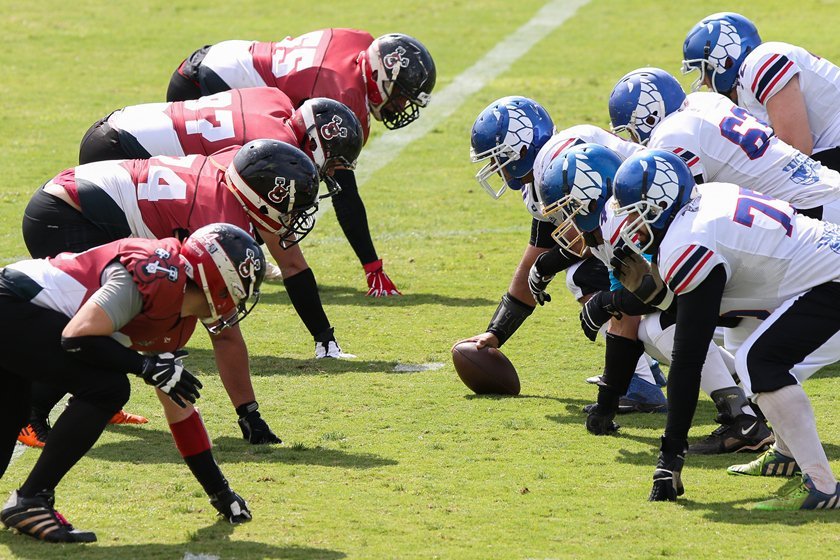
(485, 371)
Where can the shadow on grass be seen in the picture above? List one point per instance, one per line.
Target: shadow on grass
(729, 512)
(206, 542)
(150, 446)
(346, 295)
(470, 397)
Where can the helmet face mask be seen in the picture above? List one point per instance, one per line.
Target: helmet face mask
(401, 75)
(508, 133)
(277, 185)
(573, 193)
(651, 187)
(641, 99)
(717, 47)
(228, 266)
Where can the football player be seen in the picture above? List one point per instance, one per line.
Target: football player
(326, 130)
(731, 251)
(80, 322)
(514, 139)
(721, 142)
(576, 190)
(795, 91)
(266, 187)
(390, 77)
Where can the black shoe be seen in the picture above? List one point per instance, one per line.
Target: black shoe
(231, 506)
(628, 406)
(255, 430)
(37, 518)
(745, 433)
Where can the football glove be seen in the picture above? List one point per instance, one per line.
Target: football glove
(231, 506)
(640, 277)
(379, 285)
(166, 372)
(667, 478)
(596, 312)
(538, 282)
(599, 423)
(255, 430)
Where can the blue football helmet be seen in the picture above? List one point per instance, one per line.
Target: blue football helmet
(653, 184)
(718, 45)
(574, 191)
(641, 99)
(509, 132)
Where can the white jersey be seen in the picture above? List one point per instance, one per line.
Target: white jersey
(562, 141)
(770, 66)
(233, 62)
(769, 252)
(611, 232)
(723, 142)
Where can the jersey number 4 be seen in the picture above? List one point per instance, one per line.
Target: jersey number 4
(751, 202)
(748, 132)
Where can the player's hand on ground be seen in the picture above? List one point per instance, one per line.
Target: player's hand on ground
(667, 478)
(537, 283)
(482, 340)
(167, 373)
(379, 285)
(231, 506)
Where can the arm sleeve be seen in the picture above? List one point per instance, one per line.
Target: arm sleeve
(541, 234)
(697, 315)
(118, 295)
(555, 260)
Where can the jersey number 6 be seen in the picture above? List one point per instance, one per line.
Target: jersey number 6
(748, 132)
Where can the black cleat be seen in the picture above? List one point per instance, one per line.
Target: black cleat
(745, 433)
(37, 518)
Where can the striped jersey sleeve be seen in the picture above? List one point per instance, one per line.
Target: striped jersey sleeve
(693, 162)
(687, 267)
(768, 75)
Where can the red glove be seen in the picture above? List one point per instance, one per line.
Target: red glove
(379, 285)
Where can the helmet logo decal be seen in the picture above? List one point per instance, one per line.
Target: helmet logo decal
(395, 58)
(587, 183)
(728, 45)
(279, 193)
(520, 130)
(664, 186)
(250, 264)
(333, 129)
(650, 108)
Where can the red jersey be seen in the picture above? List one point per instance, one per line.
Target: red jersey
(67, 281)
(208, 124)
(158, 197)
(323, 63)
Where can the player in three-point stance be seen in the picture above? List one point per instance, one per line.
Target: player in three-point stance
(80, 322)
(728, 251)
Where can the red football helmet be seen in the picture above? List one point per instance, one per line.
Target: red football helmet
(229, 267)
(400, 76)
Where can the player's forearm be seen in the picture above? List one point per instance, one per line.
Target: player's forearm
(232, 360)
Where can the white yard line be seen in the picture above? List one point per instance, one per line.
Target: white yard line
(384, 148)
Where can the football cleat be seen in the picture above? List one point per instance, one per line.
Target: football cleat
(273, 272)
(745, 433)
(803, 496)
(628, 406)
(330, 349)
(231, 506)
(769, 463)
(123, 417)
(37, 518)
(35, 433)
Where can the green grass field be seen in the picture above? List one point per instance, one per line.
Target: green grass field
(379, 463)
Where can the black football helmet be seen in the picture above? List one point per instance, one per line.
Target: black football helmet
(277, 184)
(331, 134)
(229, 267)
(401, 75)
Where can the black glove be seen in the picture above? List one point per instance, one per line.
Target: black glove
(167, 373)
(231, 506)
(640, 277)
(538, 282)
(600, 423)
(596, 312)
(255, 430)
(667, 478)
